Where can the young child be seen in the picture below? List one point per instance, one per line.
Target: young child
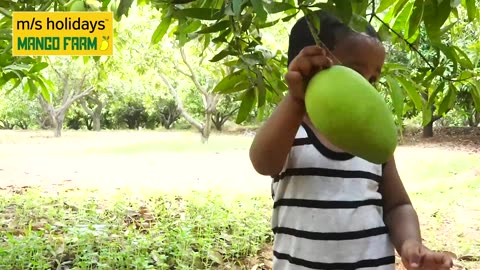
(333, 210)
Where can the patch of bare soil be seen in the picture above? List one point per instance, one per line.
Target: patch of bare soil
(465, 139)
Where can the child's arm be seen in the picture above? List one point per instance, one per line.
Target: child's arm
(402, 222)
(400, 216)
(273, 141)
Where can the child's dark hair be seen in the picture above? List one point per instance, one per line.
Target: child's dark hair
(331, 31)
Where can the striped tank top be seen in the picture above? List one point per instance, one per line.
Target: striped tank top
(327, 211)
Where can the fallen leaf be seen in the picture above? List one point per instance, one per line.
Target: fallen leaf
(451, 254)
(469, 258)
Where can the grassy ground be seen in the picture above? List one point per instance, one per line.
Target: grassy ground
(150, 200)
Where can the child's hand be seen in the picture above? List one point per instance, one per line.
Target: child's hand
(308, 62)
(416, 256)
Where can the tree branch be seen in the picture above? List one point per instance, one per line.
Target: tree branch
(71, 100)
(179, 102)
(373, 12)
(47, 107)
(83, 103)
(181, 71)
(193, 76)
(413, 48)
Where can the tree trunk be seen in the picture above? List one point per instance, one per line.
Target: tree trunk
(97, 122)
(471, 121)
(96, 113)
(59, 119)
(206, 128)
(428, 130)
(97, 117)
(57, 132)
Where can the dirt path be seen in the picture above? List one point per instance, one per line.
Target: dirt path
(32, 158)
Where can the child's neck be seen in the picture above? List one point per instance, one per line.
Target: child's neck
(322, 138)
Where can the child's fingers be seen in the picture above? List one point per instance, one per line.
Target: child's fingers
(321, 62)
(438, 260)
(312, 50)
(294, 81)
(307, 66)
(304, 66)
(412, 257)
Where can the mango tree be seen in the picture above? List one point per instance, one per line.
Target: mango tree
(235, 26)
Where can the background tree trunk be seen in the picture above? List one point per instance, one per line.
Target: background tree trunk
(428, 130)
(95, 113)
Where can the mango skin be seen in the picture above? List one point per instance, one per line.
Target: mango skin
(351, 114)
(78, 6)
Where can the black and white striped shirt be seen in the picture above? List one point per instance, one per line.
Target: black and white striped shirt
(327, 211)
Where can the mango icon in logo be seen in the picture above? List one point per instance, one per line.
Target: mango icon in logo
(104, 44)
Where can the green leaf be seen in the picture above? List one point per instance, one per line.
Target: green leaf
(221, 25)
(437, 72)
(384, 33)
(475, 92)
(399, 7)
(455, 13)
(38, 67)
(261, 114)
(359, 7)
(246, 106)
(268, 24)
(247, 22)
(389, 67)
(221, 55)
(434, 16)
(427, 108)
(426, 115)
(288, 18)
(465, 75)
(32, 88)
(261, 90)
(191, 26)
(344, 9)
(161, 30)
(276, 7)
(412, 92)
(447, 28)
(450, 54)
(443, 12)
(462, 58)
(433, 95)
(402, 19)
(313, 19)
(327, 7)
(231, 81)
(397, 96)
(259, 10)
(448, 101)
(237, 88)
(384, 5)
(415, 18)
(222, 36)
(471, 9)
(123, 7)
(455, 3)
(200, 13)
(358, 23)
(237, 7)
(6, 13)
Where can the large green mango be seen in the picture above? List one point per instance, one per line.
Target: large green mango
(351, 114)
